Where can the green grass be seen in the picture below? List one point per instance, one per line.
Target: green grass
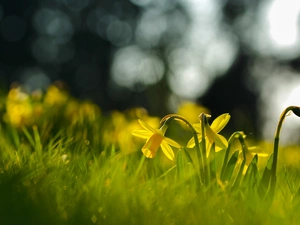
(57, 172)
(66, 181)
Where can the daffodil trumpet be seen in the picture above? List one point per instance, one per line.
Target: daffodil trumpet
(155, 139)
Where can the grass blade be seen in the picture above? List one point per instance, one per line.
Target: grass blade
(230, 167)
(266, 178)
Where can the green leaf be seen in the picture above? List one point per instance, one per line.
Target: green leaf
(180, 164)
(187, 155)
(230, 167)
(251, 177)
(239, 176)
(29, 137)
(266, 178)
(296, 199)
(213, 164)
(225, 160)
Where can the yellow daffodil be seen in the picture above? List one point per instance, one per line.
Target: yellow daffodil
(155, 139)
(211, 134)
(55, 95)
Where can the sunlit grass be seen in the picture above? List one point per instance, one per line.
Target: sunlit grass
(70, 164)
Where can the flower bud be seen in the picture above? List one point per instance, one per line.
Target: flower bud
(296, 111)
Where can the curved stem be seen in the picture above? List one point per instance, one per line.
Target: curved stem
(295, 109)
(195, 136)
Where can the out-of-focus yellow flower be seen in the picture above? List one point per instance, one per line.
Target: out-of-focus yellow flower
(246, 152)
(118, 129)
(88, 111)
(18, 108)
(137, 112)
(55, 96)
(211, 134)
(71, 110)
(188, 110)
(37, 110)
(155, 139)
(81, 112)
(252, 151)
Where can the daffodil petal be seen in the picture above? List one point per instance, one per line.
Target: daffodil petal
(167, 150)
(197, 127)
(260, 154)
(141, 133)
(191, 143)
(208, 148)
(224, 141)
(146, 126)
(255, 150)
(213, 137)
(218, 148)
(220, 122)
(171, 142)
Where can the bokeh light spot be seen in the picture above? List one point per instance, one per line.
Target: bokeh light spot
(283, 21)
(274, 100)
(220, 54)
(34, 79)
(150, 28)
(119, 33)
(275, 30)
(188, 82)
(54, 23)
(97, 21)
(132, 66)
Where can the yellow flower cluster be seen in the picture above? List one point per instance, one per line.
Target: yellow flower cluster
(81, 112)
(24, 109)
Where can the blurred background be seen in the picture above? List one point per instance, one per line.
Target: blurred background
(236, 56)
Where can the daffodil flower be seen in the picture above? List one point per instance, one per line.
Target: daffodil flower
(155, 139)
(211, 134)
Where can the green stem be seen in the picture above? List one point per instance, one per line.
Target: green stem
(295, 109)
(244, 150)
(195, 136)
(203, 148)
